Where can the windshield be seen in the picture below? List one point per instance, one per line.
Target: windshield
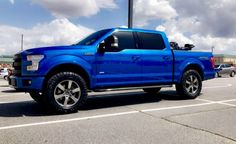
(91, 39)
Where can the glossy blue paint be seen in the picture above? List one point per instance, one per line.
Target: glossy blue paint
(36, 83)
(128, 67)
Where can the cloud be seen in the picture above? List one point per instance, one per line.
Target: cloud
(213, 17)
(57, 32)
(174, 33)
(75, 8)
(203, 23)
(12, 1)
(223, 45)
(147, 10)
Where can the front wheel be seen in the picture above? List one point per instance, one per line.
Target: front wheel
(190, 86)
(5, 77)
(65, 92)
(232, 74)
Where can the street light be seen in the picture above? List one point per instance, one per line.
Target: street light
(22, 42)
(212, 49)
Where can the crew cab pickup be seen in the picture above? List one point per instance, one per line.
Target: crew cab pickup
(61, 76)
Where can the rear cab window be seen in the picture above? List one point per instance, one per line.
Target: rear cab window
(151, 41)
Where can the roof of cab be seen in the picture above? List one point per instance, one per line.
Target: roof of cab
(137, 30)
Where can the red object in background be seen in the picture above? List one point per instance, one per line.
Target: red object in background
(10, 72)
(212, 62)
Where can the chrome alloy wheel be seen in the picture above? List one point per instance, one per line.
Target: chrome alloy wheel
(191, 84)
(67, 93)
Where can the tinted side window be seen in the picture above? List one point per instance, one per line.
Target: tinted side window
(227, 65)
(125, 41)
(151, 41)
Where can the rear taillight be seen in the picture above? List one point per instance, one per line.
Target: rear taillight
(212, 62)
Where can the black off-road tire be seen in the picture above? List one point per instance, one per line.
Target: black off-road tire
(52, 84)
(182, 87)
(232, 74)
(5, 77)
(37, 96)
(152, 90)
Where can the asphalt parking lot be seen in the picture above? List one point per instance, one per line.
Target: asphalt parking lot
(125, 117)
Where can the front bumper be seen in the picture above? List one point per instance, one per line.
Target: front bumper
(26, 83)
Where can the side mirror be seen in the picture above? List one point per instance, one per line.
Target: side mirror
(101, 47)
(110, 44)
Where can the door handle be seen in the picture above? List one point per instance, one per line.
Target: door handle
(135, 58)
(167, 58)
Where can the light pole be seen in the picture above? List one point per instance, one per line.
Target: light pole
(212, 49)
(130, 14)
(22, 42)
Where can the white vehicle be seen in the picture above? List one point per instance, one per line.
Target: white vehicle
(225, 69)
(4, 73)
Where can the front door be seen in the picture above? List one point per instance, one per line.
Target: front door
(120, 66)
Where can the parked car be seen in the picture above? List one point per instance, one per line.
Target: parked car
(4, 73)
(10, 73)
(61, 76)
(225, 69)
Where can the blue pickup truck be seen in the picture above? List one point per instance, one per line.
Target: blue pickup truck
(61, 76)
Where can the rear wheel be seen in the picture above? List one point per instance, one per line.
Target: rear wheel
(190, 86)
(232, 74)
(65, 92)
(152, 90)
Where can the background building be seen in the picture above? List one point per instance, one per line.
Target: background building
(225, 59)
(6, 61)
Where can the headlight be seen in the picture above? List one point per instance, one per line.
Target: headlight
(35, 59)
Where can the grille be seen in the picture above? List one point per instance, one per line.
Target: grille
(17, 65)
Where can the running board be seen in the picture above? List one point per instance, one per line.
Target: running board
(131, 88)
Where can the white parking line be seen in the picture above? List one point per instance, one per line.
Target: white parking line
(3, 102)
(228, 100)
(177, 107)
(10, 94)
(101, 116)
(208, 102)
(213, 87)
(223, 102)
(68, 120)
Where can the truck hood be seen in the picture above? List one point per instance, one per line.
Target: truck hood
(54, 48)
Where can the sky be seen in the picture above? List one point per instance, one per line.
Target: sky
(204, 23)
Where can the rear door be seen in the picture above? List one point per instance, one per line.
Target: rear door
(156, 59)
